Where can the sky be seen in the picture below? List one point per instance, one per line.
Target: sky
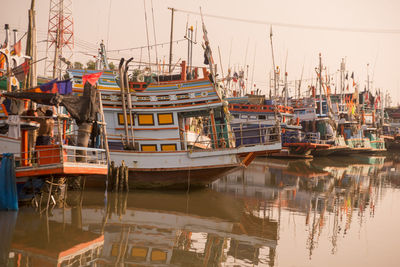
(121, 24)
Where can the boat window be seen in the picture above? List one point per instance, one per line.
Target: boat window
(168, 147)
(236, 116)
(236, 107)
(114, 249)
(165, 118)
(139, 253)
(261, 117)
(253, 117)
(182, 96)
(163, 98)
(243, 116)
(145, 119)
(158, 255)
(121, 120)
(148, 147)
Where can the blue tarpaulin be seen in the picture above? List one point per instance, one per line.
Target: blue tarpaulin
(8, 186)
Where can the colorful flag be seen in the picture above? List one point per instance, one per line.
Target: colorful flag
(50, 87)
(54, 86)
(91, 78)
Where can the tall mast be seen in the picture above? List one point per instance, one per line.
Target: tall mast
(342, 70)
(170, 39)
(320, 84)
(273, 61)
(31, 79)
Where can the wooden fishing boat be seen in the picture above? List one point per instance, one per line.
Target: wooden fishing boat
(255, 111)
(148, 129)
(57, 159)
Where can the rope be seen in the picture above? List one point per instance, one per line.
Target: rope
(299, 26)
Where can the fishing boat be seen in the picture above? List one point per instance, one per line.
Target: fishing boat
(66, 153)
(63, 154)
(172, 131)
(255, 111)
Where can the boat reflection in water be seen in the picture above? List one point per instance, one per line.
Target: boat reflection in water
(274, 213)
(333, 193)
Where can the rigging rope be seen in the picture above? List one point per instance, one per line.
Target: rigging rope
(290, 25)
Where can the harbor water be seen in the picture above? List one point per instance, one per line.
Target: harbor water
(331, 211)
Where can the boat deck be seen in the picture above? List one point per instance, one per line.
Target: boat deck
(47, 160)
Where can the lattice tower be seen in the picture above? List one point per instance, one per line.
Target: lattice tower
(60, 38)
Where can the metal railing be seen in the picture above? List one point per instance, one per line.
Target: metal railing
(56, 154)
(240, 135)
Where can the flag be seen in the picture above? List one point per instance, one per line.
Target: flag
(2, 61)
(25, 66)
(347, 87)
(235, 77)
(64, 87)
(347, 76)
(17, 48)
(54, 86)
(91, 78)
(352, 75)
(50, 87)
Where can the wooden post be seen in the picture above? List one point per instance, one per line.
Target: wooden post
(121, 77)
(170, 40)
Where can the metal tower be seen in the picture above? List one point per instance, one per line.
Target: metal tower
(60, 38)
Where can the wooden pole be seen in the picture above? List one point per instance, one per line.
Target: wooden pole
(170, 39)
(123, 103)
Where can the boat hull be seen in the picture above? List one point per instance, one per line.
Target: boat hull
(167, 178)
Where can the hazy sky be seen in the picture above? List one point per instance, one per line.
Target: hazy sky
(124, 27)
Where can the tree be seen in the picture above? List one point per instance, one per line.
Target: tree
(78, 65)
(91, 65)
(111, 66)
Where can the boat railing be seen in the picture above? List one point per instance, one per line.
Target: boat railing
(241, 135)
(55, 154)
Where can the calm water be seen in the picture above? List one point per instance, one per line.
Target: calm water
(342, 211)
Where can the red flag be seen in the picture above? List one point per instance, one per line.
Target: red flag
(17, 48)
(25, 67)
(91, 78)
(354, 83)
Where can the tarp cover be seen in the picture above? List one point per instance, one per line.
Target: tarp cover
(82, 108)
(8, 186)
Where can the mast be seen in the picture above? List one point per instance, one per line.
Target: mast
(342, 70)
(170, 39)
(320, 84)
(273, 61)
(31, 79)
(208, 52)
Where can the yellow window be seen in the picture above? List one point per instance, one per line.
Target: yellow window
(121, 120)
(165, 119)
(139, 252)
(168, 147)
(149, 147)
(146, 119)
(158, 255)
(114, 250)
